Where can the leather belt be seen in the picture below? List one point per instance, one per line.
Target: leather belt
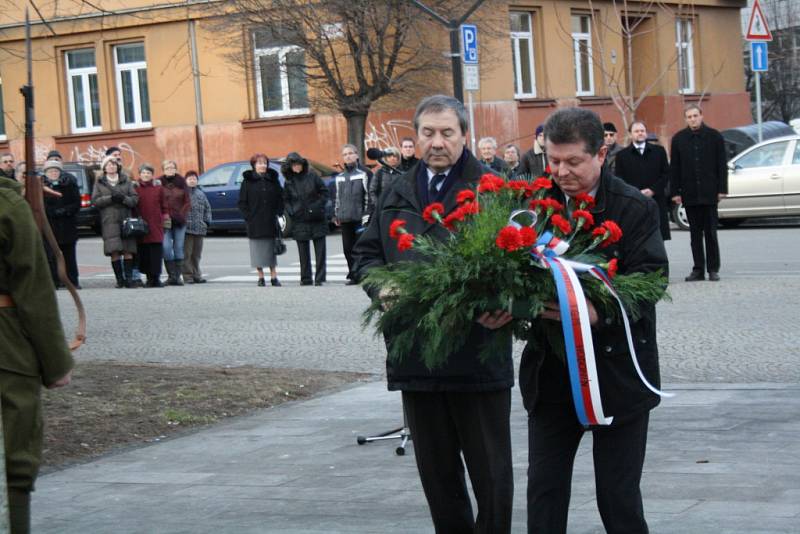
(6, 301)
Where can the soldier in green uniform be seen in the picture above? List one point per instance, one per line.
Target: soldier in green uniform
(33, 349)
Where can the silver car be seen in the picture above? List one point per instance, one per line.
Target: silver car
(763, 181)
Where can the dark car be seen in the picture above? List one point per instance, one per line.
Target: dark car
(88, 216)
(221, 186)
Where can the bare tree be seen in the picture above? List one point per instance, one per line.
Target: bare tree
(351, 53)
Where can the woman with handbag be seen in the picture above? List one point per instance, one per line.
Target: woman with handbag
(261, 202)
(115, 197)
(176, 195)
(62, 214)
(153, 209)
(304, 196)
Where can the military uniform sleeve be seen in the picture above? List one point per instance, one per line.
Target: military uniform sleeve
(30, 285)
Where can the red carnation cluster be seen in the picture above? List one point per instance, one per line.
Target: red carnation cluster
(609, 232)
(509, 239)
(541, 183)
(405, 240)
(561, 224)
(433, 212)
(547, 204)
(467, 195)
(490, 183)
(585, 216)
(518, 185)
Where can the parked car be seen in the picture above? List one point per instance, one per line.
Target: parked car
(763, 181)
(89, 215)
(221, 186)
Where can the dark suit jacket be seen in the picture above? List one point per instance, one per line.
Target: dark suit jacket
(647, 171)
(699, 166)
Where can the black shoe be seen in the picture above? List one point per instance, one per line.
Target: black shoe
(305, 283)
(318, 283)
(199, 280)
(713, 277)
(695, 276)
(275, 282)
(351, 283)
(155, 282)
(261, 282)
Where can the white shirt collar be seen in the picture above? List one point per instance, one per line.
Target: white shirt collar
(640, 146)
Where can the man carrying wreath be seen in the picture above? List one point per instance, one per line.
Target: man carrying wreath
(575, 151)
(463, 406)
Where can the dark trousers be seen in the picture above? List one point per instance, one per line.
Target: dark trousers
(304, 251)
(703, 225)
(349, 238)
(445, 425)
(192, 252)
(618, 452)
(150, 255)
(70, 262)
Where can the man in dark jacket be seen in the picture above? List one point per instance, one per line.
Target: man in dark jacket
(351, 206)
(408, 153)
(464, 406)
(62, 213)
(645, 167)
(699, 181)
(534, 161)
(33, 349)
(304, 198)
(576, 154)
(610, 140)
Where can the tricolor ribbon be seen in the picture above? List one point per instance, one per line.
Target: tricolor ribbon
(584, 380)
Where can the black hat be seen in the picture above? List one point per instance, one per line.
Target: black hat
(112, 149)
(609, 127)
(54, 154)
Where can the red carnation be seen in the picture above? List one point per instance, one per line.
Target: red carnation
(551, 204)
(585, 201)
(433, 212)
(547, 170)
(541, 183)
(457, 215)
(405, 242)
(615, 232)
(509, 239)
(396, 228)
(528, 236)
(471, 208)
(588, 219)
(612, 268)
(467, 195)
(490, 183)
(561, 223)
(517, 185)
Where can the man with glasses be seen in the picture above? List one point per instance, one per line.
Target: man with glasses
(7, 165)
(610, 140)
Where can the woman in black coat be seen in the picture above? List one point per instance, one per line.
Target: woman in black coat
(305, 195)
(261, 202)
(62, 214)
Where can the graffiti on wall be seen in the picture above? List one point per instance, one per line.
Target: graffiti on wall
(388, 133)
(89, 154)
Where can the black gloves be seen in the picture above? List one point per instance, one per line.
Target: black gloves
(116, 196)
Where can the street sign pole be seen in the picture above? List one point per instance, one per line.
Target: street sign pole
(759, 35)
(471, 122)
(758, 105)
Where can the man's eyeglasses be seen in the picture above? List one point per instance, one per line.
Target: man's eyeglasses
(609, 134)
(8, 162)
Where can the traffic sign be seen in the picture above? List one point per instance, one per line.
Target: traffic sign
(758, 56)
(469, 40)
(757, 29)
(472, 78)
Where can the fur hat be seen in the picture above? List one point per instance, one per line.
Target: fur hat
(52, 164)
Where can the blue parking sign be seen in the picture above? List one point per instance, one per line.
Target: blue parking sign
(469, 40)
(758, 56)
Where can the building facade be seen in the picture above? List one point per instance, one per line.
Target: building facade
(153, 79)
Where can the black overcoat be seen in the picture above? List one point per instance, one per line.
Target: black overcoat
(543, 375)
(464, 370)
(649, 170)
(261, 202)
(62, 212)
(699, 166)
(304, 197)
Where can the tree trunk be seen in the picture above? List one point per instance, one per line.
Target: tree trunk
(356, 126)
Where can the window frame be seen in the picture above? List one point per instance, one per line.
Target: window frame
(517, 58)
(134, 68)
(689, 47)
(576, 38)
(281, 51)
(83, 73)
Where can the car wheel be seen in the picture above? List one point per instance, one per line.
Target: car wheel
(731, 223)
(679, 217)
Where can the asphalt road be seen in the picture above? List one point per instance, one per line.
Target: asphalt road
(740, 330)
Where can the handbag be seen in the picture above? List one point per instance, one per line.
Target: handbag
(134, 227)
(278, 246)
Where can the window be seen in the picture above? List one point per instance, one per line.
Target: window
(522, 53)
(280, 75)
(132, 93)
(770, 155)
(683, 44)
(84, 99)
(795, 158)
(582, 48)
(2, 114)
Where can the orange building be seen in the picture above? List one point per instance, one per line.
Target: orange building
(152, 78)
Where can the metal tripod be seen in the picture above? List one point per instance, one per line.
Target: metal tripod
(402, 433)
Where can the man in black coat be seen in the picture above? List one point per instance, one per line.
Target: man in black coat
(699, 181)
(534, 161)
(463, 406)
(645, 166)
(408, 153)
(62, 213)
(575, 150)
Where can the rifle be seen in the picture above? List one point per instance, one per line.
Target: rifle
(34, 194)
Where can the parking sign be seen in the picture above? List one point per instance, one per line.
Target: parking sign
(469, 41)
